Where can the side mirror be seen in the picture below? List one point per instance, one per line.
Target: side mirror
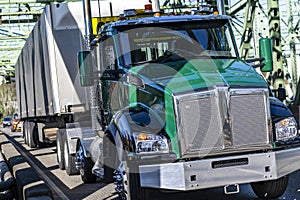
(265, 51)
(85, 68)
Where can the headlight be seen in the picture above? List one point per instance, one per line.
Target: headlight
(286, 129)
(151, 143)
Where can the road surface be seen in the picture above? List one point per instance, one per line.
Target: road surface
(66, 187)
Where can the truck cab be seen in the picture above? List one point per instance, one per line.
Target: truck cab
(180, 110)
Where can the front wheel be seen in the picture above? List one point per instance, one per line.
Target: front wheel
(128, 183)
(270, 189)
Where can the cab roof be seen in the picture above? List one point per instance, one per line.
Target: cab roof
(169, 19)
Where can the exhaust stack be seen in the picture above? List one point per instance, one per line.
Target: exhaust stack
(88, 23)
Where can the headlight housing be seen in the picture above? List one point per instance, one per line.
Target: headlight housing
(147, 143)
(286, 129)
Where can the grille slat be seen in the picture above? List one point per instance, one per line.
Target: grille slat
(201, 118)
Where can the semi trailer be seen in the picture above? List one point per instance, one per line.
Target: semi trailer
(49, 93)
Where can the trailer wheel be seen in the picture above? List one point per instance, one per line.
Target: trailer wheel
(270, 189)
(128, 183)
(25, 137)
(60, 148)
(86, 167)
(32, 135)
(25, 131)
(69, 161)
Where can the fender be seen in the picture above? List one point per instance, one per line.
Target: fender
(135, 118)
(112, 140)
(85, 150)
(278, 110)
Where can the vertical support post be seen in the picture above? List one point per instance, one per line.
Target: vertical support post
(221, 6)
(248, 28)
(226, 5)
(275, 35)
(0, 16)
(292, 43)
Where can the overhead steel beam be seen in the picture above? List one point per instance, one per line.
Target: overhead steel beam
(31, 1)
(24, 37)
(20, 13)
(16, 21)
(10, 21)
(10, 48)
(237, 7)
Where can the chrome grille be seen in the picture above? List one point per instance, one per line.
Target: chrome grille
(220, 120)
(198, 117)
(248, 119)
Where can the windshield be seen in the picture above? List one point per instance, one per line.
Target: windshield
(7, 118)
(171, 42)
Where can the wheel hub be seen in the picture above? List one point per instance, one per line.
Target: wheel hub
(79, 160)
(121, 181)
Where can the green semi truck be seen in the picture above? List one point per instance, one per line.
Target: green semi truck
(174, 107)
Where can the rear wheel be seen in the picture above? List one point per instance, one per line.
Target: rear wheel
(60, 148)
(86, 167)
(69, 161)
(25, 131)
(270, 189)
(32, 134)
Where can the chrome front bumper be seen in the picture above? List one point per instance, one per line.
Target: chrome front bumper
(218, 172)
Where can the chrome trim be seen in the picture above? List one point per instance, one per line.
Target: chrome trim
(212, 94)
(194, 175)
(222, 130)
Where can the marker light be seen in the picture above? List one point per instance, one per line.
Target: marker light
(156, 14)
(148, 8)
(216, 12)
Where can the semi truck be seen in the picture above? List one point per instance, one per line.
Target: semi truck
(171, 106)
(175, 108)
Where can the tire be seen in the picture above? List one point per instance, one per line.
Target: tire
(270, 189)
(60, 148)
(25, 132)
(110, 159)
(32, 135)
(86, 167)
(26, 138)
(69, 161)
(131, 183)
